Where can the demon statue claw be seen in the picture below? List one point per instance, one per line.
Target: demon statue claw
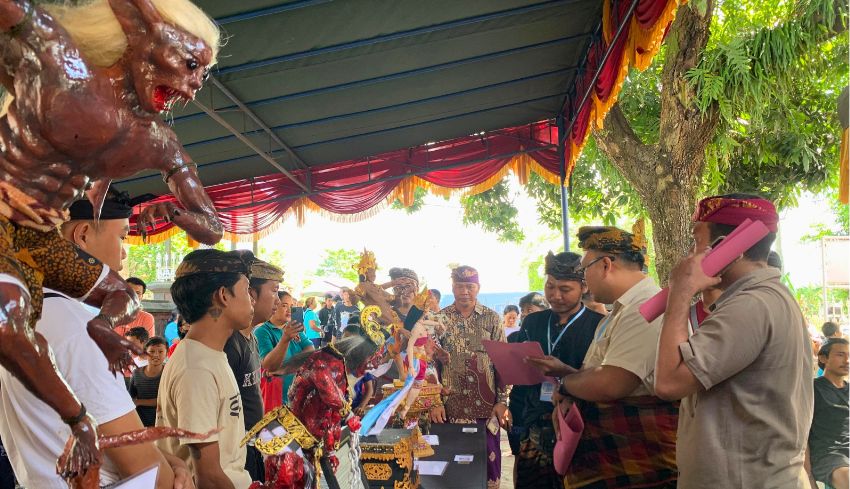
(85, 86)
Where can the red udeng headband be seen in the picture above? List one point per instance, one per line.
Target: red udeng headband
(733, 212)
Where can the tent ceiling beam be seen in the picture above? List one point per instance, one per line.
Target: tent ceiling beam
(264, 155)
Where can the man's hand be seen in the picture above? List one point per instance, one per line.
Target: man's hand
(503, 414)
(687, 278)
(182, 476)
(438, 414)
(550, 366)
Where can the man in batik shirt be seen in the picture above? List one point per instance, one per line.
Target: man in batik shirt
(474, 396)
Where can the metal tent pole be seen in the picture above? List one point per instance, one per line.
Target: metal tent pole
(565, 210)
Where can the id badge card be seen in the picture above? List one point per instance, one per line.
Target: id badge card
(546, 390)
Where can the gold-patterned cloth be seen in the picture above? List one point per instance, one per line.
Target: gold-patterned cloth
(266, 271)
(45, 259)
(469, 374)
(609, 239)
(215, 261)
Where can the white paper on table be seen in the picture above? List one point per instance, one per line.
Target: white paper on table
(142, 480)
(430, 467)
(431, 439)
(463, 459)
(470, 429)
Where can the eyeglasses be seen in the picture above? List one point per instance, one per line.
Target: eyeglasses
(583, 270)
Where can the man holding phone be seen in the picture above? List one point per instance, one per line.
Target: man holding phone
(281, 337)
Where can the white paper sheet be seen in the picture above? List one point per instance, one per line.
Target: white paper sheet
(431, 439)
(470, 429)
(464, 459)
(142, 480)
(430, 467)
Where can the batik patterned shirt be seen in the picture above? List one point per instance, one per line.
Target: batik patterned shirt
(469, 374)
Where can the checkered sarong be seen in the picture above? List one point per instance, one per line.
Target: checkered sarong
(630, 443)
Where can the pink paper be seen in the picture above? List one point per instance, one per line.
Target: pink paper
(570, 428)
(509, 360)
(736, 243)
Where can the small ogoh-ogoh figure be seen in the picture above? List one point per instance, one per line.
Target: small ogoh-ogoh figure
(85, 87)
(297, 441)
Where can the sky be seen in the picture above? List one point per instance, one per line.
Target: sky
(431, 239)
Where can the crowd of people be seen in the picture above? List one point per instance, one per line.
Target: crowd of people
(723, 392)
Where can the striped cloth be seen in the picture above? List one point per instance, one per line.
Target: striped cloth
(630, 443)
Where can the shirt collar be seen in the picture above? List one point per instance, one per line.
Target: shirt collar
(640, 291)
(751, 279)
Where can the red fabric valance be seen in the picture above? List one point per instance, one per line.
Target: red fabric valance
(351, 188)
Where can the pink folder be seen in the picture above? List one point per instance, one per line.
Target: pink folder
(509, 360)
(747, 234)
(570, 427)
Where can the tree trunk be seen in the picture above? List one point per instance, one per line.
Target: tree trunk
(667, 175)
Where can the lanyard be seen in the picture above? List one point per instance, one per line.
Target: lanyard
(549, 330)
(603, 326)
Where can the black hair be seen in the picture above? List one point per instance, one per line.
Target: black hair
(257, 283)
(634, 258)
(533, 299)
(156, 340)
(829, 328)
(510, 308)
(282, 293)
(759, 251)
(139, 333)
(138, 281)
(353, 329)
(193, 293)
(774, 260)
(827, 347)
(436, 293)
(180, 322)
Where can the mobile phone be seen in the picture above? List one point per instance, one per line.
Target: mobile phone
(716, 242)
(298, 314)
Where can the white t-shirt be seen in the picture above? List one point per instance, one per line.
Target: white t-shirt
(32, 432)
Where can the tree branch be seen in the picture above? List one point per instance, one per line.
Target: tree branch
(624, 149)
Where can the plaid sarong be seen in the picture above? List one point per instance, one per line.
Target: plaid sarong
(630, 443)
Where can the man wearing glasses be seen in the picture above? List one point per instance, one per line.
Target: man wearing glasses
(629, 439)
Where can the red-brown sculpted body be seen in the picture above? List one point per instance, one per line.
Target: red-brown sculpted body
(71, 129)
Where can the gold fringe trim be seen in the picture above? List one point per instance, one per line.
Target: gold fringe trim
(641, 47)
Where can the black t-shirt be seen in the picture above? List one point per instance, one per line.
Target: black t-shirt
(244, 359)
(144, 387)
(325, 315)
(526, 406)
(829, 432)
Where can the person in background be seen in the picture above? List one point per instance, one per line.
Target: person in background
(510, 319)
(532, 302)
(476, 395)
(143, 319)
(242, 351)
(829, 437)
(170, 330)
(139, 337)
(197, 390)
(745, 373)
(144, 385)
(434, 301)
(32, 433)
(182, 329)
(564, 332)
(326, 317)
(280, 338)
(830, 330)
(312, 324)
(405, 287)
(343, 311)
(590, 303)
